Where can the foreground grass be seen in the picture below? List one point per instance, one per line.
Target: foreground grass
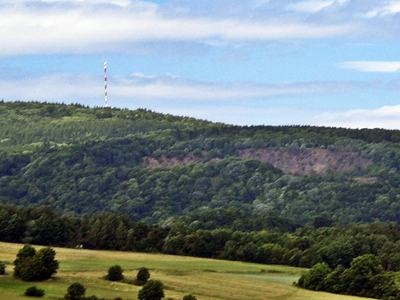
(208, 279)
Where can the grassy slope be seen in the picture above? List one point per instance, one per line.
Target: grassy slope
(206, 278)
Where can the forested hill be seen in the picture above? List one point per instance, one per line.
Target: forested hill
(160, 168)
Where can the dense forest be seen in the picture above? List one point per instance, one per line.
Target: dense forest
(162, 169)
(365, 277)
(335, 246)
(134, 180)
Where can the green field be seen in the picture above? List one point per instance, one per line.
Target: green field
(206, 278)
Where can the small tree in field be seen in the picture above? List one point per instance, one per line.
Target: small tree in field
(33, 291)
(142, 276)
(152, 290)
(76, 291)
(48, 265)
(115, 273)
(34, 266)
(24, 257)
(189, 297)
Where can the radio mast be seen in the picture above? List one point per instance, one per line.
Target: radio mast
(105, 86)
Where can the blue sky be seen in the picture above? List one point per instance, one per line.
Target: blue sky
(319, 62)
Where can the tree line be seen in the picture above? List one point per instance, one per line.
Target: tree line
(315, 243)
(365, 277)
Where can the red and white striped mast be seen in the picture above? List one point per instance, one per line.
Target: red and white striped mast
(105, 86)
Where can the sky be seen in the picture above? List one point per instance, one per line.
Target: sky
(247, 62)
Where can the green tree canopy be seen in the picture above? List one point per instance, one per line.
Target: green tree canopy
(142, 276)
(152, 290)
(115, 273)
(32, 265)
(75, 291)
(314, 279)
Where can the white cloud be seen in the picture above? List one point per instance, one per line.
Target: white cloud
(372, 66)
(76, 29)
(144, 87)
(389, 8)
(313, 6)
(236, 103)
(241, 115)
(260, 3)
(383, 117)
(120, 3)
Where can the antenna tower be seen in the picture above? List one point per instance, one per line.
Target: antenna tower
(105, 86)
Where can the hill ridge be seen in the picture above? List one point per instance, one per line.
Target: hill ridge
(125, 161)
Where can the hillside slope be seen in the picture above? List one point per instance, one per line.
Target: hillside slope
(160, 168)
(206, 278)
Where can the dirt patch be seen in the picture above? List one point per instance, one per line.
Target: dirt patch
(298, 162)
(165, 162)
(308, 161)
(366, 180)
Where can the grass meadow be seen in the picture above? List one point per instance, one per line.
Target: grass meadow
(207, 279)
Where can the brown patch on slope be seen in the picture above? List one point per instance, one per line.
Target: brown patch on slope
(299, 162)
(165, 162)
(306, 162)
(366, 180)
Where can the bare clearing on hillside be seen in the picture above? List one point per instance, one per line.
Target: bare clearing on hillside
(308, 161)
(298, 162)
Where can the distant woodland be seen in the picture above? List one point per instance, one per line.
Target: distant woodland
(135, 180)
(162, 169)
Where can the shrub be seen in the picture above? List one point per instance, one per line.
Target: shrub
(314, 279)
(152, 290)
(142, 276)
(358, 276)
(115, 273)
(76, 291)
(33, 266)
(24, 254)
(2, 268)
(384, 286)
(365, 277)
(47, 263)
(189, 297)
(33, 291)
(335, 282)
